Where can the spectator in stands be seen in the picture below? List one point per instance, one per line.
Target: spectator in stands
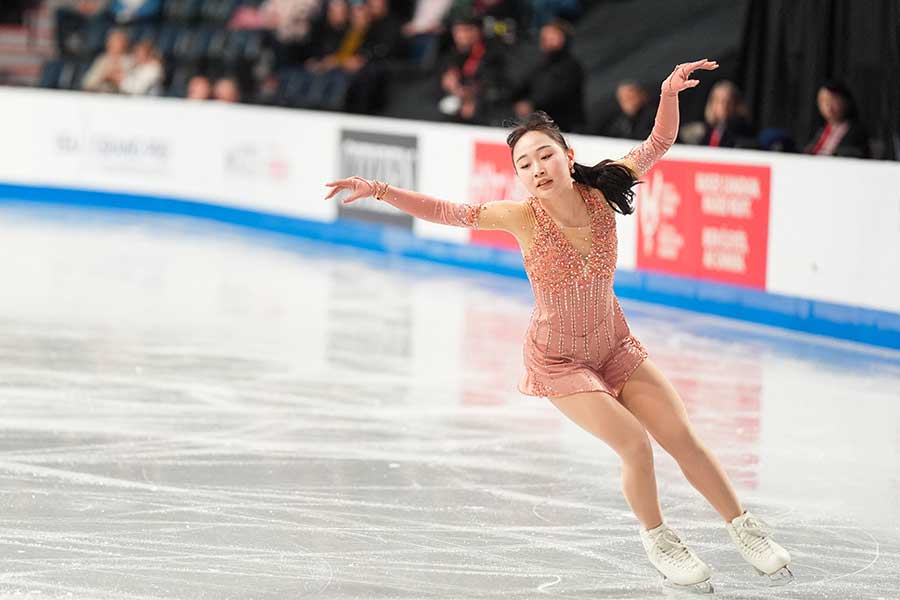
(636, 113)
(351, 76)
(383, 42)
(227, 89)
(727, 118)
(385, 35)
(109, 69)
(424, 29)
(842, 134)
(328, 32)
(546, 11)
(556, 85)
(472, 76)
(199, 88)
(71, 17)
(289, 23)
(498, 18)
(145, 76)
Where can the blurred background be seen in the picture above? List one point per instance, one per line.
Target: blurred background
(788, 68)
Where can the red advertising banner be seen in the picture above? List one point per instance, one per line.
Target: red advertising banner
(493, 178)
(705, 220)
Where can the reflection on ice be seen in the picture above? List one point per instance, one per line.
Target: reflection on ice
(191, 411)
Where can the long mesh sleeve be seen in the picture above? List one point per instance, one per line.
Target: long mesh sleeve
(433, 209)
(663, 135)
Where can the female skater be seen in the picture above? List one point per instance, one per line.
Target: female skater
(579, 351)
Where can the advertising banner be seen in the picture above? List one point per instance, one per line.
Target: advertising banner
(493, 178)
(705, 220)
(372, 155)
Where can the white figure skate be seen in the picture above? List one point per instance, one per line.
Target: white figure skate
(679, 566)
(751, 536)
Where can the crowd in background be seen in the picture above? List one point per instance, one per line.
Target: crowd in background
(339, 54)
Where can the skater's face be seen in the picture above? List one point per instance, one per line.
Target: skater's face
(542, 164)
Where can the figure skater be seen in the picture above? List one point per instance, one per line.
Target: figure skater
(579, 352)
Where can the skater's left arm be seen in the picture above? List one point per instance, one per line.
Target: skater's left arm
(665, 127)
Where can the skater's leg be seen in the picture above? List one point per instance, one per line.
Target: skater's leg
(601, 415)
(652, 399)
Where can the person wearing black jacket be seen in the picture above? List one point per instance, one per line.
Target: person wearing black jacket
(842, 134)
(472, 80)
(727, 118)
(636, 113)
(556, 85)
(383, 42)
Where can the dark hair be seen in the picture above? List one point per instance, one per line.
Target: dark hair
(838, 88)
(613, 179)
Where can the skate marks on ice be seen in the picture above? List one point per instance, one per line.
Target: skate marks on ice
(235, 420)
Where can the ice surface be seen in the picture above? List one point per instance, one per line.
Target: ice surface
(194, 411)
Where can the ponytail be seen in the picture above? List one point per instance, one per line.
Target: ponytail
(614, 179)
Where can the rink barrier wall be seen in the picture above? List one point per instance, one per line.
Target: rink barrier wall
(870, 326)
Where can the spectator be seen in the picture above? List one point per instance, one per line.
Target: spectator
(842, 134)
(424, 29)
(108, 70)
(199, 88)
(636, 113)
(71, 17)
(385, 34)
(350, 77)
(556, 85)
(383, 40)
(290, 23)
(498, 18)
(145, 77)
(427, 18)
(727, 118)
(227, 89)
(472, 80)
(328, 32)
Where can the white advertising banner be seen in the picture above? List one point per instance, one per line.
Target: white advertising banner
(831, 230)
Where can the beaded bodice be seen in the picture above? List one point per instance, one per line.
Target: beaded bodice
(553, 261)
(573, 292)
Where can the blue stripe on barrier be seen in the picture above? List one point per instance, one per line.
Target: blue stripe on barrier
(880, 328)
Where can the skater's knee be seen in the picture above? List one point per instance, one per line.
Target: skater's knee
(683, 445)
(636, 451)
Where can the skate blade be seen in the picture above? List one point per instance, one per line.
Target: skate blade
(782, 576)
(704, 587)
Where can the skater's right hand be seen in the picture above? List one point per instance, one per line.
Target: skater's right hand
(357, 186)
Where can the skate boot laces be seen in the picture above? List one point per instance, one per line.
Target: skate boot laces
(672, 547)
(757, 529)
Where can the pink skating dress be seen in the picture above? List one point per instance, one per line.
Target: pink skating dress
(578, 339)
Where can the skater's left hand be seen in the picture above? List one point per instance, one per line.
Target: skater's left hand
(680, 79)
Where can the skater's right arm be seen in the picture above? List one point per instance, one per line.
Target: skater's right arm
(503, 214)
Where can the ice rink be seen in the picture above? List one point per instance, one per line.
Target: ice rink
(189, 410)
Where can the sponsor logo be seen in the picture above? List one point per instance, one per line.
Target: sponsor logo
(391, 158)
(493, 178)
(252, 161)
(115, 152)
(705, 220)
